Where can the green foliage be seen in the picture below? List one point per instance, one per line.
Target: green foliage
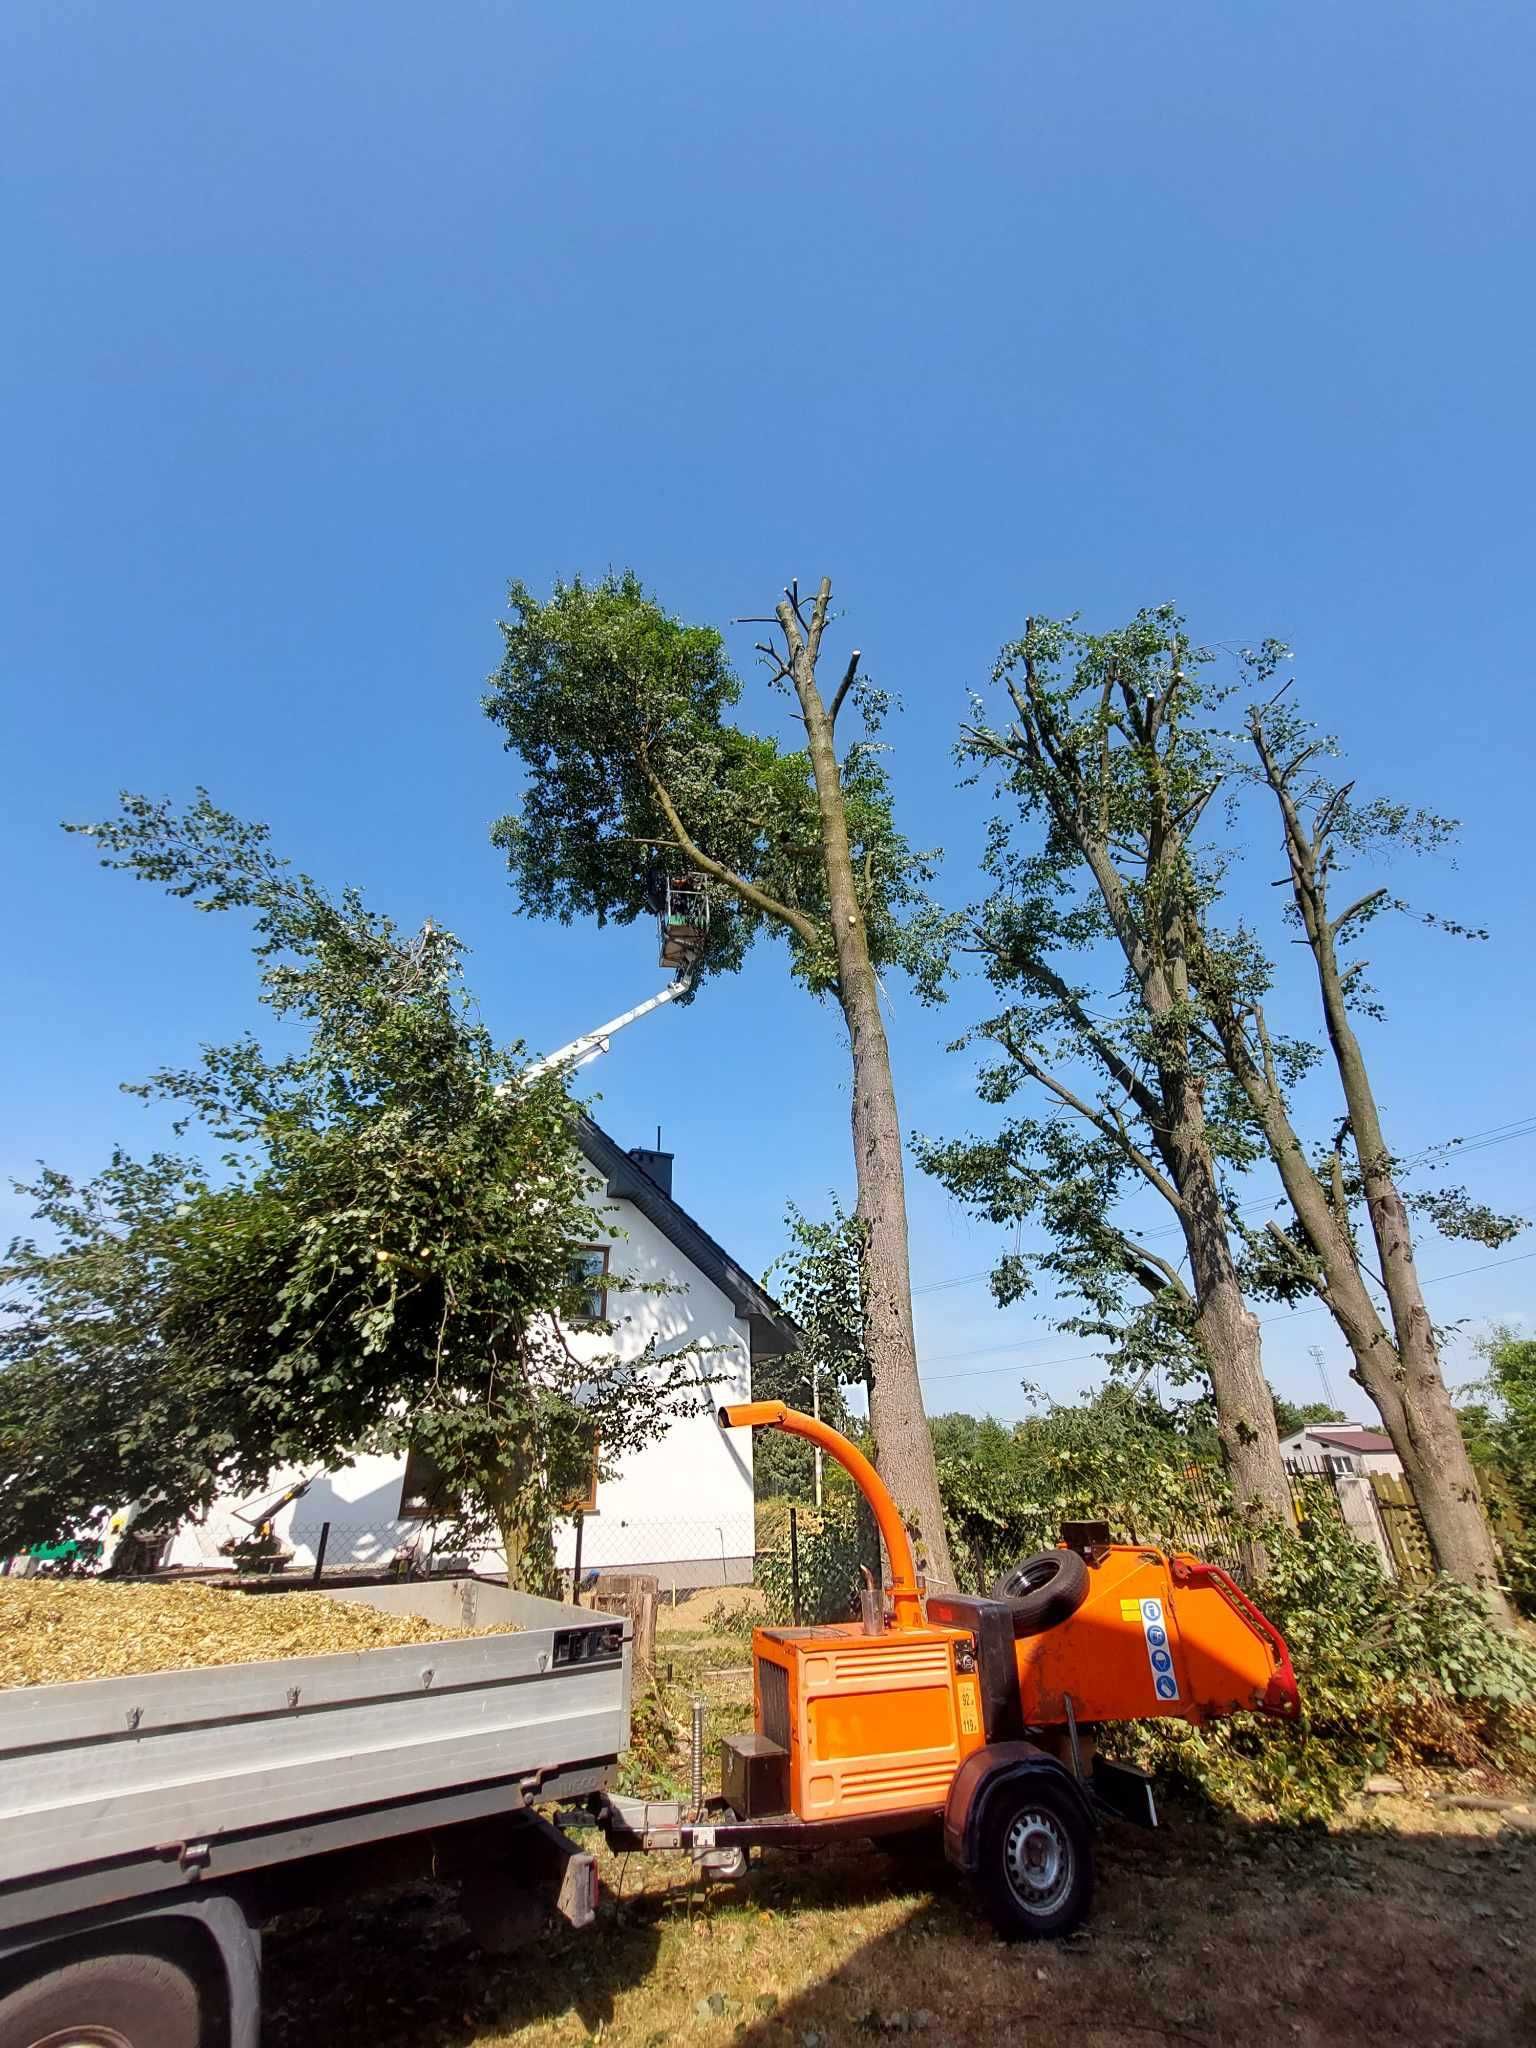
(1388, 1678)
(1109, 753)
(1500, 1432)
(622, 718)
(819, 1280)
(382, 1261)
(1150, 1471)
(1291, 1416)
(835, 1542)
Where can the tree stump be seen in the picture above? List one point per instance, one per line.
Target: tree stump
(636, 1594)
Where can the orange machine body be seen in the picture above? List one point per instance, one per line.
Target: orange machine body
(878, 1724)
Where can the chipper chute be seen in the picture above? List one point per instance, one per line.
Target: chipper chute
(980, 1715)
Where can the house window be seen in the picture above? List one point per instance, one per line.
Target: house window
(589, 1276)
(423, 1497)
(582, 1498)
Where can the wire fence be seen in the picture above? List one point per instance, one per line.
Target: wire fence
(685, 1553)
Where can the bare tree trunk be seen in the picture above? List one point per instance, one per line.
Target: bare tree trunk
(1415, 1402)
(903, 1445)
(1227, 1331)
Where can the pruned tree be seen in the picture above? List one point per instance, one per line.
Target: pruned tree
(1108, 760)
(383, 1257)
(622, 718)
(1351, 1191)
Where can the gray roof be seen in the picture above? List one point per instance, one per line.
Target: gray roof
(773, 1332)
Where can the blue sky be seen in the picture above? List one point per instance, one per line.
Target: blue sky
(324, 322)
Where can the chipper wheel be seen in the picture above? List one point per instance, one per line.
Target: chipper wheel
(1034, 1872)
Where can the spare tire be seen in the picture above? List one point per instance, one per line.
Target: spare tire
(1044, 1590)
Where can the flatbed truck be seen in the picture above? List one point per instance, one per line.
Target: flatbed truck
(150, 1826)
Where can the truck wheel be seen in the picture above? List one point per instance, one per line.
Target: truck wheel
(1035, 1870)
(1044, 1590)
(110, 2001)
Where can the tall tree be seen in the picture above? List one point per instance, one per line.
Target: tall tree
(382, 1259)
(621, 715)
(1109, 759)
(1396, 1355)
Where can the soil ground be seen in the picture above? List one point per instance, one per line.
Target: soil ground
(1402, 1923)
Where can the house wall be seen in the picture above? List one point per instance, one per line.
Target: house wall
(680, 1506)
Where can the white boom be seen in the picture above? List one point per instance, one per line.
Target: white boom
(593, 1044)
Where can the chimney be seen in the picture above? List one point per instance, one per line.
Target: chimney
(658, 1165)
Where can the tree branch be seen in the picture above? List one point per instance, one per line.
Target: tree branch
(759, 899)
(1355, 909)
(1137, 1255)
(1112, 1128)
(843, 687)
(1113, 1061)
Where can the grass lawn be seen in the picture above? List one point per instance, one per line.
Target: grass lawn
(1404, 1923)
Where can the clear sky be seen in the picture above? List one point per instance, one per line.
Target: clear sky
(323, 322)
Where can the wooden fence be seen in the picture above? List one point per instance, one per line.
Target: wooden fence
(1403, 1527)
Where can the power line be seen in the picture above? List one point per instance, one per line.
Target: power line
(1476, 1141)
(1097, 1358)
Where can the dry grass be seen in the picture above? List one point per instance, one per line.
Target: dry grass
(53, 1631)
(1402, 1924)
(1415, 1933)
(702, 1610)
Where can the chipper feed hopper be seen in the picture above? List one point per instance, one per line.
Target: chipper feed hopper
(975, 1715)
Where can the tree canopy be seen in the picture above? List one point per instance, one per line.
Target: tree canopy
(622, 717)
(382, 1256)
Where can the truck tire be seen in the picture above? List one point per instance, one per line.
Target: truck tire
(1045, 1589)
(1034, 1872)
(105, 2001)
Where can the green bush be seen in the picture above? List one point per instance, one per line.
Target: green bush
(1389, 1677)
(1007, 1488)
(835, 1541)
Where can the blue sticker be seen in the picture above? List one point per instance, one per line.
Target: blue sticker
(1151, 1610)
(1166, 1689)
(1161, 1661)
(1157, 1638)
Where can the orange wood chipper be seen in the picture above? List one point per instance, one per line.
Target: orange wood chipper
(975, 1715)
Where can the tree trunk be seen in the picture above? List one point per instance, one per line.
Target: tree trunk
(1227, 1331)
(1428, 1437)
(1402, 1378)
(903, 1445)
(527, 1535)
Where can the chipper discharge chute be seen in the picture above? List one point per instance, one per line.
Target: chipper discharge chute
(977, 1714)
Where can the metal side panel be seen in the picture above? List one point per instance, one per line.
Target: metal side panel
(114, 1767)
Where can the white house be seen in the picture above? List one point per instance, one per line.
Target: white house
(1342, 1447)
(681, 1506)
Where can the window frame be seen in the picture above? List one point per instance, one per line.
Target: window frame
(598, 1289)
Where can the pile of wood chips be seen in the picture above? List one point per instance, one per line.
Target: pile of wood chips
(53, 1631)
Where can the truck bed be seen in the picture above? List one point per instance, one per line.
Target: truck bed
(177, 1768)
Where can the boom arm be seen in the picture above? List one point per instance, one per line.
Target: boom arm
(905, 1597)
(593, 1044)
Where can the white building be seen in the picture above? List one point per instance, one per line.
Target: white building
(1342, 1447)
(681, 1506)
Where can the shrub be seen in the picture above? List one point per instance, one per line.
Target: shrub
(1007, 1489)
(835, 1541)
(1388, 1677)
